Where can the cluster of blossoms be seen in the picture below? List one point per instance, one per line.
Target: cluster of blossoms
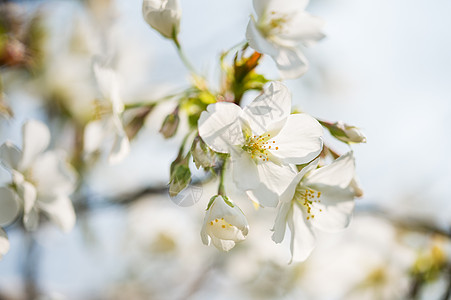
(41, 181)
(276, 158)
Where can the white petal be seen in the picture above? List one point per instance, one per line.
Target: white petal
(302, 236)
(94, 136)
(26, 192)
(272, 106)
(60, 211)
(224, 245)
(10, 156)
(339, 173)
(275, 177)
(299, 141)
(262, 7)
(244, 170)
(257, 41)
(291, 62)
(31, 219)
(108, 84)
(36, 138)
(336, 207)
(121, 144)
(219, 126)
(203, 233)
(52, 175)
(263, 196)
(9, 206)
(304, 28)
(4, 243)
(280, 223)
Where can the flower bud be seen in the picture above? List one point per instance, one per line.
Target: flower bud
(224, 224)
(202, 155)
(344, 132)
(180, 176)
(163, 16)
(170, 124)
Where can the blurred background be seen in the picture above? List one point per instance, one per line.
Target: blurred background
(385, 67)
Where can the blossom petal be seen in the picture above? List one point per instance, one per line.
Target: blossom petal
(219, 126)
(244, 170)
(257, 41)
(304, 28)
(302, 237)
(291, 62)
(10, 156)
(36, 138)
(339, 173)
(31, 219)
(26, 192)
(60, 211)
(272, 106)
(108, 84)
(334, 212)
(121, 144)
(9, 206)
(224, 245)
(4, 243)
(299, 141)
(52, 175)
(274, 181)
(94, 135)
(263, 7)
(280, 223)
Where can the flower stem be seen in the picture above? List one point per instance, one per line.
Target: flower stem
(182, 55)
(221, 188)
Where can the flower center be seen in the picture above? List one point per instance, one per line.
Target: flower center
(307, 197)
(258, 146)
(273, 23)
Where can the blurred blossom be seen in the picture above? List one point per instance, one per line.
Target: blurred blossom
(109, 128)
(4, 243)
(262, 139)
(42, 179)
(316, 198)
(224, 224)
(163, 16)
(281, 28)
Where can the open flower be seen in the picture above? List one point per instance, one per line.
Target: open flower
(320, 198)
(224, 224)
(163, 16)
(281, 28)
(108, 131)
(42, 180)
(263, 140)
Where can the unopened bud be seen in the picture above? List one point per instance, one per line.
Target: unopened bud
(170, 124)
(202, 155)
(180, 177)
(344, 132)
(163, 16)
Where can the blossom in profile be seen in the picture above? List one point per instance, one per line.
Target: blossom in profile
(163, 16)
(321, 198)
(107, 131)
(41, 180)
(264, 139)
(281, 29)
(224, 224)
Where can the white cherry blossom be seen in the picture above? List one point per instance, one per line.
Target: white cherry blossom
(224, 224)
(281, 29)
(263, 139)
(163, 16)
(41, 179)
(321, 198)
(108, 131)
